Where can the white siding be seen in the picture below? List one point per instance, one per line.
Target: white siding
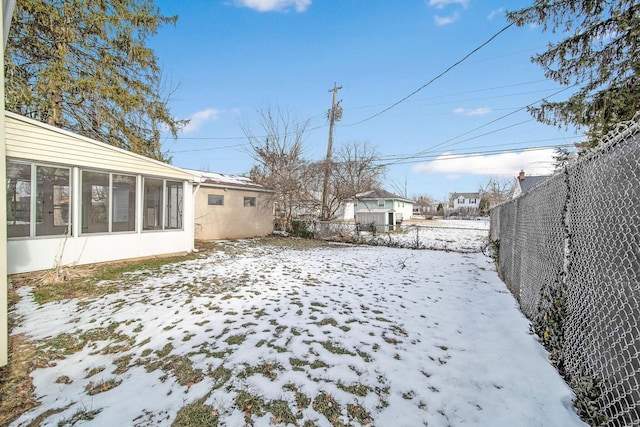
(36, 142)
(32, 140)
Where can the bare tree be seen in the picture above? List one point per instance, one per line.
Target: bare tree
(354, 170)
(494, 192)
(401, 188)
(277, 150)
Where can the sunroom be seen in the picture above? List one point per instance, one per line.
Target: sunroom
(72, 200)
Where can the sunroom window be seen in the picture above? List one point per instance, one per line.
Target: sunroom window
(52, 201)
(18, 199)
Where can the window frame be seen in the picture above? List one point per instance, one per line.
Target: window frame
(115, 202)
(252, 200)
(173, 211)
(219, 196)
(17, 230)
(44, 210)
(162, 211)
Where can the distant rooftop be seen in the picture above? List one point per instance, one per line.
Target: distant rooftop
(381, 194)
(528, 182)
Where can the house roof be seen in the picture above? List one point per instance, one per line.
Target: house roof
(466, 195)
(381, 194)
(227, 181)
(530, 181)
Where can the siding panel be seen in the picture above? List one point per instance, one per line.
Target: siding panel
(32, 140)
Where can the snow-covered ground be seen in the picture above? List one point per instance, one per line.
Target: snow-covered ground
(261, 334)
(449, 235)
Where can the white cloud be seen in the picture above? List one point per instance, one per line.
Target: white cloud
(475, 112)
(200, 118)
(445, 20)
(440, 4)
(533, 162)
(494, 13)
(274, 5)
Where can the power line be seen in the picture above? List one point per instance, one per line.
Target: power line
(450, 140)
(435, 78)
(219, 138)
(361, 107)
(517, 145)
(446, 156)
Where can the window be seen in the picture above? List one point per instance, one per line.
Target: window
(108, 202)
(52, 201)
(123, 203)
(163, 204)
(95, 202)
(152, 204)
(215, 200)
(381, 203)
(18, 199)
(174, 205)
(49, 210)
(249, 201)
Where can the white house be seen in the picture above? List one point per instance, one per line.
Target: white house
(466, 201)
(383, 209)
(73, 200)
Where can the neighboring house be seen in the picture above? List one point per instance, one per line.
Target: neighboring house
(73, 200)
(425, 206)
(525, 183)
(466, 201)
(381, 208)
(230, 207)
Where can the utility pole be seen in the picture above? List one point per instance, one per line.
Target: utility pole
(334, 115)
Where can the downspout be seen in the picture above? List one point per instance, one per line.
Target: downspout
(193, 210)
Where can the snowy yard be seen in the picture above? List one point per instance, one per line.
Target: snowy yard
(275, 332)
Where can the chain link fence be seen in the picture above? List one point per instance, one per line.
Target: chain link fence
(569, 251)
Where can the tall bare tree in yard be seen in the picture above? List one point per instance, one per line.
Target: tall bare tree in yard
(601, 55)
(277, 149)
(354, 170)
(83, 65)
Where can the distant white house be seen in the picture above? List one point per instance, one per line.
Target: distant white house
(466, 201)
(525, 183)
(381, 208)
(73, 200)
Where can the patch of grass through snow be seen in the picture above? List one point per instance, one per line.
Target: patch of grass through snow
(78, 416)
(196, 414)
(268, 369)
(101, 386)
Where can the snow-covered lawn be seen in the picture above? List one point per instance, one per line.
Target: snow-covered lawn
(450, 235)
(277, 334)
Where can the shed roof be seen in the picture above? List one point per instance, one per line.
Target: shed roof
(214, 179)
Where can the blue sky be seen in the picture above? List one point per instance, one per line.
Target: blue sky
(229, 59)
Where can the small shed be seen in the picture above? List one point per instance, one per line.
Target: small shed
(382, 209)
(73, 200)
(230, 207)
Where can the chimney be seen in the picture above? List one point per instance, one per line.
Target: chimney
(521, 175)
